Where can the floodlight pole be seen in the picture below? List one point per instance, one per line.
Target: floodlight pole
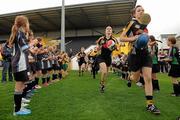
(62, 27)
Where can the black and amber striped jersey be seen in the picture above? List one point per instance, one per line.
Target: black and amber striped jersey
(81, 56)
(102, 41)
(135, 28)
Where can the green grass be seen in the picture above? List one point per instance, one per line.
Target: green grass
(78, 98)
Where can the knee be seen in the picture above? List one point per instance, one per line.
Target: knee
(103, 72)
(148, 79)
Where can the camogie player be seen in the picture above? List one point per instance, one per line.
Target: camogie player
(59, 57)
(93, 62)
(81, 61)
(90, 59)
(39, 56)
(49, 64)
(30, 84)
(139, 60)
(65, 64)
(44, 64)
(18, 40)
(153, 47)
(106, 44)
(55, 64)
(174, 60)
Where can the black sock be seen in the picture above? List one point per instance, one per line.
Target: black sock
(123, 75)
(176, 89)
(43, 80)
(79, 73)
(141, 80)
(30, 85)
(17, 100)
(53, 76)
(179, 89)
(82, 72)
(37, 80)
(149, 100)
(157, 84)
(154, 85)
(60, 76)
(24, 93)
(94, 73)
(48, 79)
(56, 76)
(33, 83)
(149, 97)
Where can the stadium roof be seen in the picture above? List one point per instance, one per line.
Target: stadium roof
(167, 35)
(81, 16)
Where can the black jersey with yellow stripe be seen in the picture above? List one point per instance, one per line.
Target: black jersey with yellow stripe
(81, 56)
(135, 28)
(105, 52)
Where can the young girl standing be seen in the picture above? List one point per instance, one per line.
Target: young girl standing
(20, 63)
(173, 59)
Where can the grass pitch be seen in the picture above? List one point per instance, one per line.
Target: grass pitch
(78, 98)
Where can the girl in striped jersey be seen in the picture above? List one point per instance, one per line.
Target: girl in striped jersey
(139, 59)
(104, 58)
(49, 64)
(39, 55)
(60, 62)
(30, 84)
(20, 63)
(54, 63)
(44, 63)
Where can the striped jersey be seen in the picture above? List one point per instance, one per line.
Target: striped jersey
(20, 53)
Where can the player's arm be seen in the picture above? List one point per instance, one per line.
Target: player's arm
(78, 55)
(123, 36)
(169, 58)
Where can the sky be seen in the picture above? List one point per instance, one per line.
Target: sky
(164, 13)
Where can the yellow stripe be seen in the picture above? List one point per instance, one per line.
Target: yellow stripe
(149, 102)
(129, 26)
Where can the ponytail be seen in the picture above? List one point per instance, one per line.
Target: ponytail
(20, 21)
(14, 31)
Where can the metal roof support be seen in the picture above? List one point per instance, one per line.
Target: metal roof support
(62, 27)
